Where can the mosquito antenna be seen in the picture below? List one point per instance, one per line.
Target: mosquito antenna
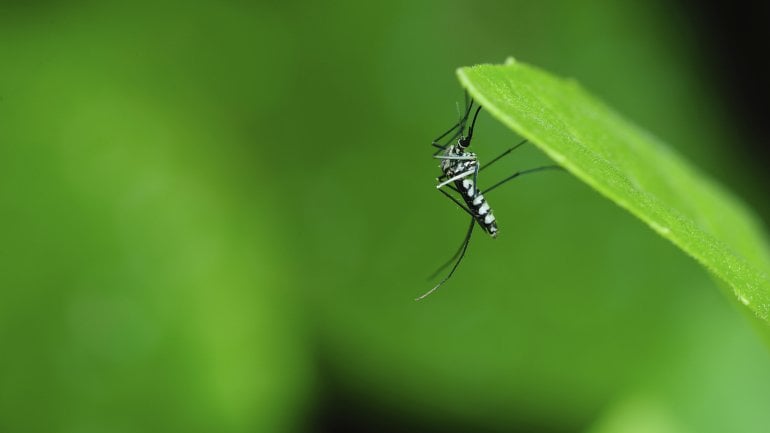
(457, 263)
(464, 118)
(460, 111)
(466, 107)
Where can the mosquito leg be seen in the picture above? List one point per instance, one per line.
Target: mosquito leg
(466, 140)
(468, 211)
(447, 263)
(465, 97)
(441, 178)
(457, 202)
(443, 146)
(519, 173)
(455, 157)
(459, 176)
(460, 124)
(502, 155)
(455, 126)
(473, 124)
(463, 249)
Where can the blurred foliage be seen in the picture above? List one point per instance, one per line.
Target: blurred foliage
(203, 202)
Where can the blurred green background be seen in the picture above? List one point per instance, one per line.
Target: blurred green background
(216, 215)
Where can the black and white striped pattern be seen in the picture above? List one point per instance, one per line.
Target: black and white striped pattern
(459, 167)
(478, 205)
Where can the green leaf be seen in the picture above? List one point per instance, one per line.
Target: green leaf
(635, 170)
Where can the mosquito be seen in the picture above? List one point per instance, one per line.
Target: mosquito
(459, 172)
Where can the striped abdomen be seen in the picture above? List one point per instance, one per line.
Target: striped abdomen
(478, 205)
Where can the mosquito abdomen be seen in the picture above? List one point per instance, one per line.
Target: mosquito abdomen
(482, 212)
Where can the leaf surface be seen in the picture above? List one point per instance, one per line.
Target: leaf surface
(635, 170)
